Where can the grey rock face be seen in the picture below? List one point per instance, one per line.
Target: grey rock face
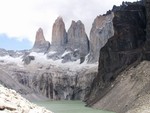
(77, 38)
(40, 45)
(59, 35)
(27, 59)
(7, 80)
(12, 53)
(71, 56)
(121, 51)
(54, 82)
(102, 30)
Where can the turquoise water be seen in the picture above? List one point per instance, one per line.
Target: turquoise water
(68, 107)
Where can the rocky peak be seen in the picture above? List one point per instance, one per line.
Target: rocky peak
(40, 36)
(77, 38)
(59, 35)
(102, 30)
(40, 45)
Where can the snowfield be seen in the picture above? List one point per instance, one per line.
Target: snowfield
(41, 58)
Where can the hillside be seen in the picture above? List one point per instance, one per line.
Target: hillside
(130, 91)
(12, 102)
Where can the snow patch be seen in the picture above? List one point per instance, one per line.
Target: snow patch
(41, 58)
(65, 53)
(51, 53)
(9, 59)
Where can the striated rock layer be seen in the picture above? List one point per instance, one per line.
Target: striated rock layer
(40, 45)
(56, 83)
(102, 30)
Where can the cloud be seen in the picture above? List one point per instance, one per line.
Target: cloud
(13, 43)
(21, 18)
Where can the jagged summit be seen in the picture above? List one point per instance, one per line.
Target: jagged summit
(59, 18)
(39, 36)
(77, 38)
(59, 35)
(77, 35)
(102, 30)
(40, 45)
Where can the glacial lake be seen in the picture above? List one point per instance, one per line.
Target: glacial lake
(68, 107)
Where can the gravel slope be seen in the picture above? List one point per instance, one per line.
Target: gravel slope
(12, 102)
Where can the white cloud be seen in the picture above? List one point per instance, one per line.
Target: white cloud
(21, 18)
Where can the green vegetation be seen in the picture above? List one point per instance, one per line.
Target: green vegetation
(68, 107)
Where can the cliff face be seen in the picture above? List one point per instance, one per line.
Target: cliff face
(122, 50)
(46, 80)
(40, 45)
(77, 38)
(102, 30)
(69, 46)
(147, 6)
(148, 18)
(59, 35)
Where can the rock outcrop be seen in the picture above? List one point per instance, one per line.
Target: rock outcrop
(11, 102)
(77, 38)
(40, 45)
(57, 83)
(102, 30)
(75, 43)
(7, 80)
(59, 35)
(27, 59)
(122, 50)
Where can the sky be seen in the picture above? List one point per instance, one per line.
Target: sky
(20, 19)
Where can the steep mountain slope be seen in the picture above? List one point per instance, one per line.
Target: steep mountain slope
(130, 90)
(127, 48)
